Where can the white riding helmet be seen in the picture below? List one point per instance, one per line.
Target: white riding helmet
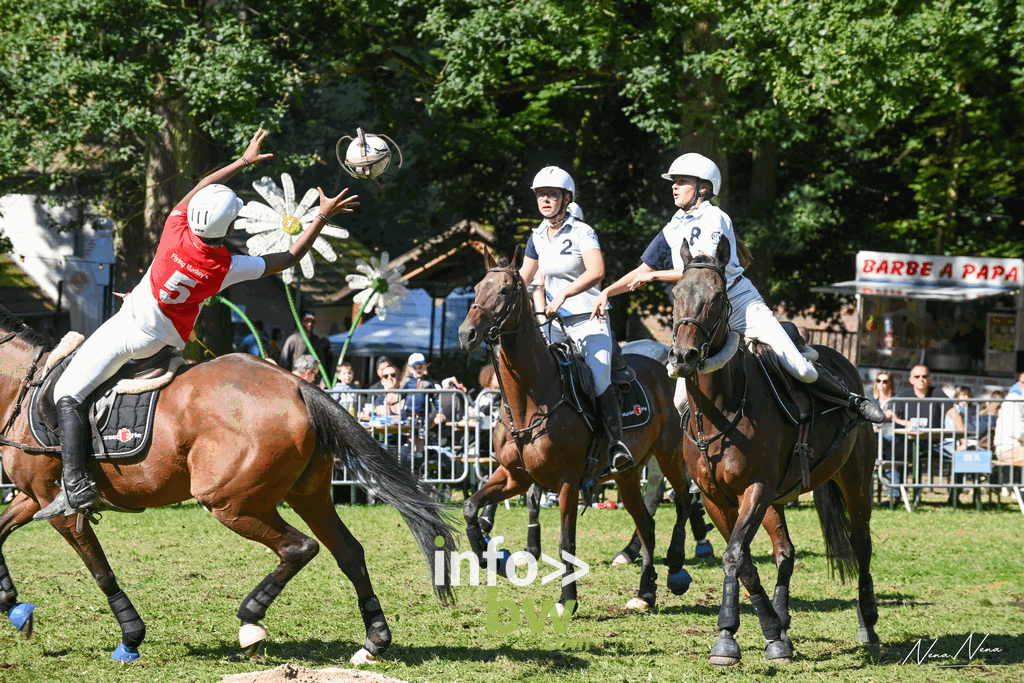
(212, 210)
(698, 166)
(552, 176)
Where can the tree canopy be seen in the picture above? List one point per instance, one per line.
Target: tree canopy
(838, 125)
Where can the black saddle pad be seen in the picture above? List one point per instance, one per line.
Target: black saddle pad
(126, 430)
(636, 407)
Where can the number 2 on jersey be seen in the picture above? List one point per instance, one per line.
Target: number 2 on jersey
(565, 249)
(180, 285)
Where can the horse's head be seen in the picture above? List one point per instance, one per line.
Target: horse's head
(700, 311)
(500, 300)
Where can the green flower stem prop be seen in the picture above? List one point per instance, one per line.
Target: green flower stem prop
(217, 299)
(380, 286)
(295, 315)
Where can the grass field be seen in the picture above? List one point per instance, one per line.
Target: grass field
(939, 575)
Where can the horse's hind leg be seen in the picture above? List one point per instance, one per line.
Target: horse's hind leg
(533, 496)
(855, 482)
(294, 549)
(322, 518)
(678, 578)
(655, 492)
(18, 513)
(629, 491)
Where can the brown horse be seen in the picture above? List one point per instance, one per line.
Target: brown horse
(239, 435)
(739, 450)
(544, 440)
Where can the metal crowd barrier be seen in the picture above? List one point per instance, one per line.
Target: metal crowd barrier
(435, 450)
(922, 448)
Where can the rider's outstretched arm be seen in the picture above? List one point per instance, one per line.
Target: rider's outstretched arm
(252, 156)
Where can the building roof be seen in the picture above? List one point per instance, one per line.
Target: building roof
(440, 263)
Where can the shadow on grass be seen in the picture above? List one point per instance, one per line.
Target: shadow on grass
(337, 653)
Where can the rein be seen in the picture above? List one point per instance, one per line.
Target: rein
(27, 383)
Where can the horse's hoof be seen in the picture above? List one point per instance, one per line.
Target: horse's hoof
(560, 608)
(251, 637)
(704, 549)
(22, 618)
(867, 635)
(621, 558)
(725, 652)
(123, 653)
(779, 651)
(679, 582)
(785, 638)
(638, 605)
(502, 561)
(363, 657)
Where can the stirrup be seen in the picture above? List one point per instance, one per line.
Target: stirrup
(623, 459)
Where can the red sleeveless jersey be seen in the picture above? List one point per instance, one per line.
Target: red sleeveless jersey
(186, 272)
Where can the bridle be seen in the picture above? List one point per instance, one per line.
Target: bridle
(723, 315)
(26, 384)
(493, 337)
(700, 440)
(496, 330)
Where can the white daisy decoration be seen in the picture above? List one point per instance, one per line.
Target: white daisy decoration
(380, 284)
(275, 227)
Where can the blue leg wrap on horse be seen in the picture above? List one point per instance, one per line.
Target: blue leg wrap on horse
(133, 631)
(766, 615)
(378, 635)
(8, 593)
(255, 605)
(729, 616)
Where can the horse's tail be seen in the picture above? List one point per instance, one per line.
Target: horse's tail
(377, 468)
(835, 527)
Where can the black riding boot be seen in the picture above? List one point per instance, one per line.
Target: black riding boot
(78, 493)
(618, 454)
(830, 388)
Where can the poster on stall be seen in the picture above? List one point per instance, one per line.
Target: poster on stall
(1000, 355)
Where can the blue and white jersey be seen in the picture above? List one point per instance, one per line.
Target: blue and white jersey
(702, 229)
(560, 262)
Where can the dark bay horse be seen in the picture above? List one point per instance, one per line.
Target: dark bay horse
(544, 440)
(740, 451)
(239, 435)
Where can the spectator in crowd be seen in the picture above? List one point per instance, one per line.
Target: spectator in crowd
(384, 404)
(884, 393)
(345, 379)
(382, 363)
(956, 418)
(1008, 438)
(488, 404)
(307, 368)
(276, 338)
(294, 346)
(918, 411)
(249, 344)
(987, 416)
(422, 407)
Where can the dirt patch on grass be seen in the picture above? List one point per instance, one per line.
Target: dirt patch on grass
(290, 673)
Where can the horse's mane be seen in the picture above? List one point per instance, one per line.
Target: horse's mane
(702, 258)
(10, 322)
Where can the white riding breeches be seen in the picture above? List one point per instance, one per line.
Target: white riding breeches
(754, 320)
(594, 339)
(116, 342)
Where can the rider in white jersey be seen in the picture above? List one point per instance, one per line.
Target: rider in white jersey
(568, 255)
(695, 180)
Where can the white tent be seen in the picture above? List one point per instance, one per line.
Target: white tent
(408, 329)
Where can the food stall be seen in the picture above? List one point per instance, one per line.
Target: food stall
(959, 315)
